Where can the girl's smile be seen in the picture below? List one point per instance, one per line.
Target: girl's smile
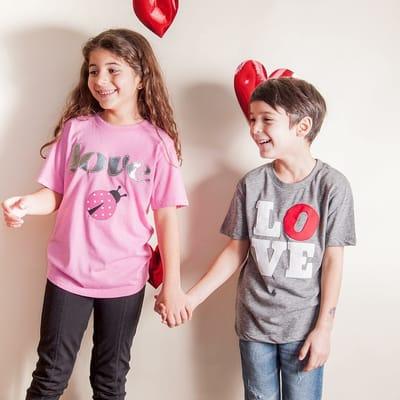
(105, 93)
(113, 83)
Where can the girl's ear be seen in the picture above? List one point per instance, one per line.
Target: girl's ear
(139, 81)
(304, 127)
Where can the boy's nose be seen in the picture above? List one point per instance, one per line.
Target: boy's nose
(256, 128)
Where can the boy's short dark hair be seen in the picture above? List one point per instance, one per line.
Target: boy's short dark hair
(297, 97)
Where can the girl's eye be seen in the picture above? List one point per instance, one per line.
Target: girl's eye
(113, 71)
(93, 72)
(267, 120)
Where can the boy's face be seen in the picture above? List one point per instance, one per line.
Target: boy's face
(271, 131)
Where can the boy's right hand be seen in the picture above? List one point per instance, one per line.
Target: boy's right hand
(160, 308)
(14, 210)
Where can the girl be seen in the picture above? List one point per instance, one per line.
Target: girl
(115, 154)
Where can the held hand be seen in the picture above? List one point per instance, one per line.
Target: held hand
(173, 306)
(14, 210)
(317, 347)
(160, 308)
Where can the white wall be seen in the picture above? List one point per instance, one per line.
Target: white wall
(349, 50)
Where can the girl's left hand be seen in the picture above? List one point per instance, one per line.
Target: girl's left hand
(317, 346)
(173, 306)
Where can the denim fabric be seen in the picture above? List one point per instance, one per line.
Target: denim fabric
(273, 372)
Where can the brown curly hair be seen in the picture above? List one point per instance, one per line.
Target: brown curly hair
(153, 102)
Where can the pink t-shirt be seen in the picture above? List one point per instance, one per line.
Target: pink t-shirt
(109, 177)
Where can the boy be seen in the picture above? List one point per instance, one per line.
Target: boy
(288, 222)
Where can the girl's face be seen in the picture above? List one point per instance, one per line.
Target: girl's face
(112, 82)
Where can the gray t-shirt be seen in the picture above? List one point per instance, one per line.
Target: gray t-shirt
(288, 226)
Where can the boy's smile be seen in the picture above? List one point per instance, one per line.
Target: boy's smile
(264, 141)
(270, 129)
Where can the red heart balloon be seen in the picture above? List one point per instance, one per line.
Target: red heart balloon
(156, 270)
(249, 74)
(157, 15)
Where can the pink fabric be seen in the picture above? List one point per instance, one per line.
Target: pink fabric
(109, 176)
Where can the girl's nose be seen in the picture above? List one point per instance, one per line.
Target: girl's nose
(101, 78)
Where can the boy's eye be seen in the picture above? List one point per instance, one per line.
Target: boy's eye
(113, 71)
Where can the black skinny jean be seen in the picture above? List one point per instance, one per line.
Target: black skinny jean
(64, 320)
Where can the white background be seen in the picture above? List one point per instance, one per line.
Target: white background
(349, 50)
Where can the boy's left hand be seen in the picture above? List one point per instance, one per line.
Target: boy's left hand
(317, 346)
(173, 306)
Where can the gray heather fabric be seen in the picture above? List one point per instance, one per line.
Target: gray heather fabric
(289, 226)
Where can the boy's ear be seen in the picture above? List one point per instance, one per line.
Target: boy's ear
(304, 126)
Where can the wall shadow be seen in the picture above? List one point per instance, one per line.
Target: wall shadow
(210, 109)
(44, 64)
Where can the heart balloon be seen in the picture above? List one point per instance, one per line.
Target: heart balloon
(249, 74)
(157, 15)
(156, 270)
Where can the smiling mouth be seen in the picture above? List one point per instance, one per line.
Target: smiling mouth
(105, 92)
(265, 141)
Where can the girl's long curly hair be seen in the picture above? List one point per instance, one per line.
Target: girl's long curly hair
(153, 102)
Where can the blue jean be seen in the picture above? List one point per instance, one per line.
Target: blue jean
(270, 370)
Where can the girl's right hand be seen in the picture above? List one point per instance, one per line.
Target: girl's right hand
(173, 307)
(14, 210)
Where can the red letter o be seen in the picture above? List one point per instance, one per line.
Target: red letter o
(291, 217)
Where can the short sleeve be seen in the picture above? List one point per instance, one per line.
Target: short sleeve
(53, 169)
(340, 229)
(235, 222)
(168, 187)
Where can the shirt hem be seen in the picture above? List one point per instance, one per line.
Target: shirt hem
(233, 235)
(172, 204)
(97, 293)
(270, 339)
(341, 244)
(49, 185)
